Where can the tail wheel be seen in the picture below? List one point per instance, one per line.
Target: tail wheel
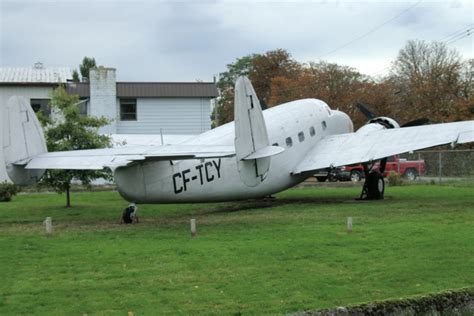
(127, 215)
(375, 186)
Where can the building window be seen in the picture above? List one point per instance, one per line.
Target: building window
(289, 142)
(42, 106)
(301, 136)
(312, 131)
(82, 106)
(128, 109)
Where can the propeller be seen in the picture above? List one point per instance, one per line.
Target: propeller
(369, 115)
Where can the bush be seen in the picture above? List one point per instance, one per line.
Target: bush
(394, 179)
(7, 190)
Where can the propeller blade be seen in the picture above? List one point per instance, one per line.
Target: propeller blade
(417, 122)
(369, 115)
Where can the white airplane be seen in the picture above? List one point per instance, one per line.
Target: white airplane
(259, 154)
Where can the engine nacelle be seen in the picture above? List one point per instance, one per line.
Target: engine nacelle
(378, 123)
(387, 122)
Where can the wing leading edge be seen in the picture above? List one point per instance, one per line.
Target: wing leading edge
(97, 159)
(353, 148)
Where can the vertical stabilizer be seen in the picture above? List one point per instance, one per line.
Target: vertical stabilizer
(22, 140)
(252, 147)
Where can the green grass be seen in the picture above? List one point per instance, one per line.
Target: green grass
(248, 257)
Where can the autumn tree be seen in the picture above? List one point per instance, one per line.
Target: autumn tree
(71, 131)
(261, 69)
(273, 64)
(338, 85)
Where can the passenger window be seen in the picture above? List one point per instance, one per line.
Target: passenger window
(323, 123)
(289, 142)
(301, 136)
(312, 132)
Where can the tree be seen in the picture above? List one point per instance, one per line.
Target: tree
(339, 86)
(428, 79)
(72, 131)
(85, 67)
(224, 109)
(261, 69)
(75, 76)
(272, 64)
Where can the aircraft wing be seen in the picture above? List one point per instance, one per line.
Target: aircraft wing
(97, 159)
(353, 148)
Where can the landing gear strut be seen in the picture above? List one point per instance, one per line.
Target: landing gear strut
(374, 184)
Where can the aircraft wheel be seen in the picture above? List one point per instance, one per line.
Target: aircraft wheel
(375, 186)
(127, 215)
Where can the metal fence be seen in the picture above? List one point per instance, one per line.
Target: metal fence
(445, 165)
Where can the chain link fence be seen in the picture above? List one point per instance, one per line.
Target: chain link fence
(445, 165)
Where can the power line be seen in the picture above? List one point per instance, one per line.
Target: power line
(458, 32)
(458, 37)
(370, 31)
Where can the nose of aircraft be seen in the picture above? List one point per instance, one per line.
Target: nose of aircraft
(344, 121)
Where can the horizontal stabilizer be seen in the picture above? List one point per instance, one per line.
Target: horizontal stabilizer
(265, 152)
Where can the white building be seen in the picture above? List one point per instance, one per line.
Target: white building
(181, 108)
(178, 108)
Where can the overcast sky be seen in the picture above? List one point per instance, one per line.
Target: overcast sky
(194, 40)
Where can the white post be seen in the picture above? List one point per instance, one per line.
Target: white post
(349, 225)
(48, 223)
(193, 227)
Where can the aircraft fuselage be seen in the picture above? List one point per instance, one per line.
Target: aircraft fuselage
(297, 126)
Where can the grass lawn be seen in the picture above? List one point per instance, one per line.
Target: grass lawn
(247, 257)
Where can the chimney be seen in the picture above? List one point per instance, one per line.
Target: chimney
(103, 97)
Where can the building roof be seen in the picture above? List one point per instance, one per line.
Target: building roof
(37, 74)
(153, 89)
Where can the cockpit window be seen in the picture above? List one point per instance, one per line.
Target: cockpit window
(312, 131)
(324, 125)
(289, 142)
(328, 109)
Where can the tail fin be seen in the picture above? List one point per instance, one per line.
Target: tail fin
(252, 147)
(22, 140)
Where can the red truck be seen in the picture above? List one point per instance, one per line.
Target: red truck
(408, 168)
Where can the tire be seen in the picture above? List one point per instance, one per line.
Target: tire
(321, 179)
(375, 186)
(411, 174)
(356, 176)
(127, 215)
